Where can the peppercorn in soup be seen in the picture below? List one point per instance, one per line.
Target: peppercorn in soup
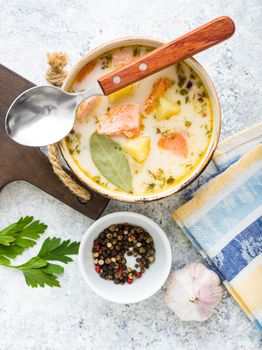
(146, 137)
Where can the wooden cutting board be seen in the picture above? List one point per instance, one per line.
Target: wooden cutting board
(30, 164)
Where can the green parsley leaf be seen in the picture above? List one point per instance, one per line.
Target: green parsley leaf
(35, 275)
(53, 269)
(53, 249)
(39, 272)
(19, 236)
(34, 263)
(39, 278)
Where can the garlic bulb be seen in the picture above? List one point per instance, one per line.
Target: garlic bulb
(193, 292)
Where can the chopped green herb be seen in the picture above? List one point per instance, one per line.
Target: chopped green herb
(199, 84)
(188, 124)
(68, 140)
(151, 186)
(180, 74)
(136, 51)
(187, 99)
(151, 173)
(73, 142)
(106, 60)
(189, 84)
(78, 136)
(165, 131)
(149, 49)
(204, 94)
(183, 92)
(170, 180)
(159, 177)
(96, 179)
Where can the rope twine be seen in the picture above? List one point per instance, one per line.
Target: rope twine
(56, 75)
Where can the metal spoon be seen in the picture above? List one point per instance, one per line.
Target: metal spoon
(44, 115)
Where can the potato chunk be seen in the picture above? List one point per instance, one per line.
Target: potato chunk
(138, 148)
(167, 108)
(127, 91)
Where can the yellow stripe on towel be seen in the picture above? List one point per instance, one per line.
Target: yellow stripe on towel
(248, 285)
(234, 141)
(215, 185)
(236, 296)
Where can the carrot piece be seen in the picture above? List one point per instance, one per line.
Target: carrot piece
(85, 71)
(174, 142)
(158, 89)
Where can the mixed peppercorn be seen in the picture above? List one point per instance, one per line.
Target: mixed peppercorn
(116, 241)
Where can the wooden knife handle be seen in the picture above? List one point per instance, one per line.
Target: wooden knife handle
(199, 39)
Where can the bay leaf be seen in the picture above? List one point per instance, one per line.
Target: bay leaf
(111, 161)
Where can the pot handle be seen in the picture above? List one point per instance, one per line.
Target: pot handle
(198, 40)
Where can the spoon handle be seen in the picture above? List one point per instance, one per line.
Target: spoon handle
(197, 40)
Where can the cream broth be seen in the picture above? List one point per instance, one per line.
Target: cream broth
(162, 167)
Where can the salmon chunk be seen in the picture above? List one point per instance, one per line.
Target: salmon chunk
(122, 119)
(158, 89)
(87, 107)
(174, 142)
(123, 57)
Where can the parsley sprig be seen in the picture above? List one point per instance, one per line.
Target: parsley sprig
(38, 271)
(16, 238)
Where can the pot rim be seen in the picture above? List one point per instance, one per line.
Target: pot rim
(125, 197)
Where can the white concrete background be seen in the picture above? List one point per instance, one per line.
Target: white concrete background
(73, 317)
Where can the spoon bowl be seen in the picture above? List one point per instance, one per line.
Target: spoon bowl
(42, 115)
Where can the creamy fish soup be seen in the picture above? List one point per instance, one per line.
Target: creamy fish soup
(146, 137)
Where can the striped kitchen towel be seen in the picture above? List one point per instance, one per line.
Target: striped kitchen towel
(223, 220)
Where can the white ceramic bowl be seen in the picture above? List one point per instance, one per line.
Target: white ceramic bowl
(151, 281)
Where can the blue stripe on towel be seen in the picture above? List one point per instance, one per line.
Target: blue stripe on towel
(258, 325)
(224, 166)
(240, 251)
(202, 252)
(228, 212)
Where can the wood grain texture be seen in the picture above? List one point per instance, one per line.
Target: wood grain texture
(186, 46)
(30, 164)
